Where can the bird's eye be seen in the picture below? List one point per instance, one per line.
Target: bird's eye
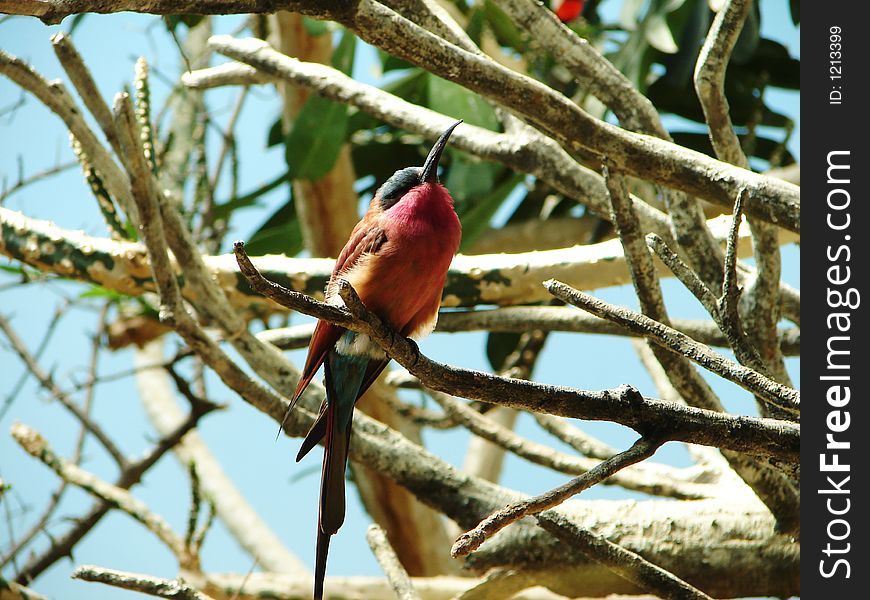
(398, 185)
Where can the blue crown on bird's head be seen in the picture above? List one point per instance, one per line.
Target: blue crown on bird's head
(404, 180)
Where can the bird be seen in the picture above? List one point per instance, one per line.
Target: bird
(396, 259)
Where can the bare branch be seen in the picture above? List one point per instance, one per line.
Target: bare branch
(46, 381)
(146, 584)
(777, 394)
(625, 563)
(623, 404)
(646, 481)
(240, 518)
(710, 79)
(54, 96)
(35, 445)
(468, 542)
(81, 77)
(396, 574)
(63, 544)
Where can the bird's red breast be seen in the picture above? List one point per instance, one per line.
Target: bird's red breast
(411, 245)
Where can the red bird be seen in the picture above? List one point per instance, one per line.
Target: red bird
(396, 259)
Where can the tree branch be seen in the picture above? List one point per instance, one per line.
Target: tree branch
(775, 393)
(35, 445)
(486, 279)
(396, 574)
(649, 481)
(625, 563)
(470, 541)
(624, 404)
(146, 584)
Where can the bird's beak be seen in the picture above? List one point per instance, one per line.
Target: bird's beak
(430, 167)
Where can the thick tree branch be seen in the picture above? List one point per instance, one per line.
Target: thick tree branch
(627, 564)
(490, 279)
(523, 150)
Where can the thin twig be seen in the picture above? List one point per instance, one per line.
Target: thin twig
(777, 394)
(55, 499)
(470, 541)
(392, 568)
(35, 445)
(146, 584)
(62, 545)
(35, 177)
(648, 482)
(48, 383)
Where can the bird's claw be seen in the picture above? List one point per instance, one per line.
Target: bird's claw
(415, 349)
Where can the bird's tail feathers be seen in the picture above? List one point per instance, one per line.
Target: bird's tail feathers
(314, 435)
(320, 563)
(322, 340)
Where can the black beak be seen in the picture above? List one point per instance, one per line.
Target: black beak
(430, 167)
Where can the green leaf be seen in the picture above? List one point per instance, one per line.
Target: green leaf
(276, 133)
(773, 59)
(392, 63)
(98, 291)
(476, 219)
(467, 178)
(474, 29)
(452, 99)
(795, 9)
(506, 32)
(76, 21)
(343, 55)
(314, 27)
(413, 87)
(318, 133)
(225, 209)
(381, 160)
(280, 234)
(12, 269)
(173, 21)
(132, 233)
(750, 36)
(499, 346)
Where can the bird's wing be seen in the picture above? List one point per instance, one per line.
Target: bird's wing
(365, 239)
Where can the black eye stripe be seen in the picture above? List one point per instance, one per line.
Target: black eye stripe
(398, 185)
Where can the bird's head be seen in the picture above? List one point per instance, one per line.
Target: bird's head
(404, 180)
